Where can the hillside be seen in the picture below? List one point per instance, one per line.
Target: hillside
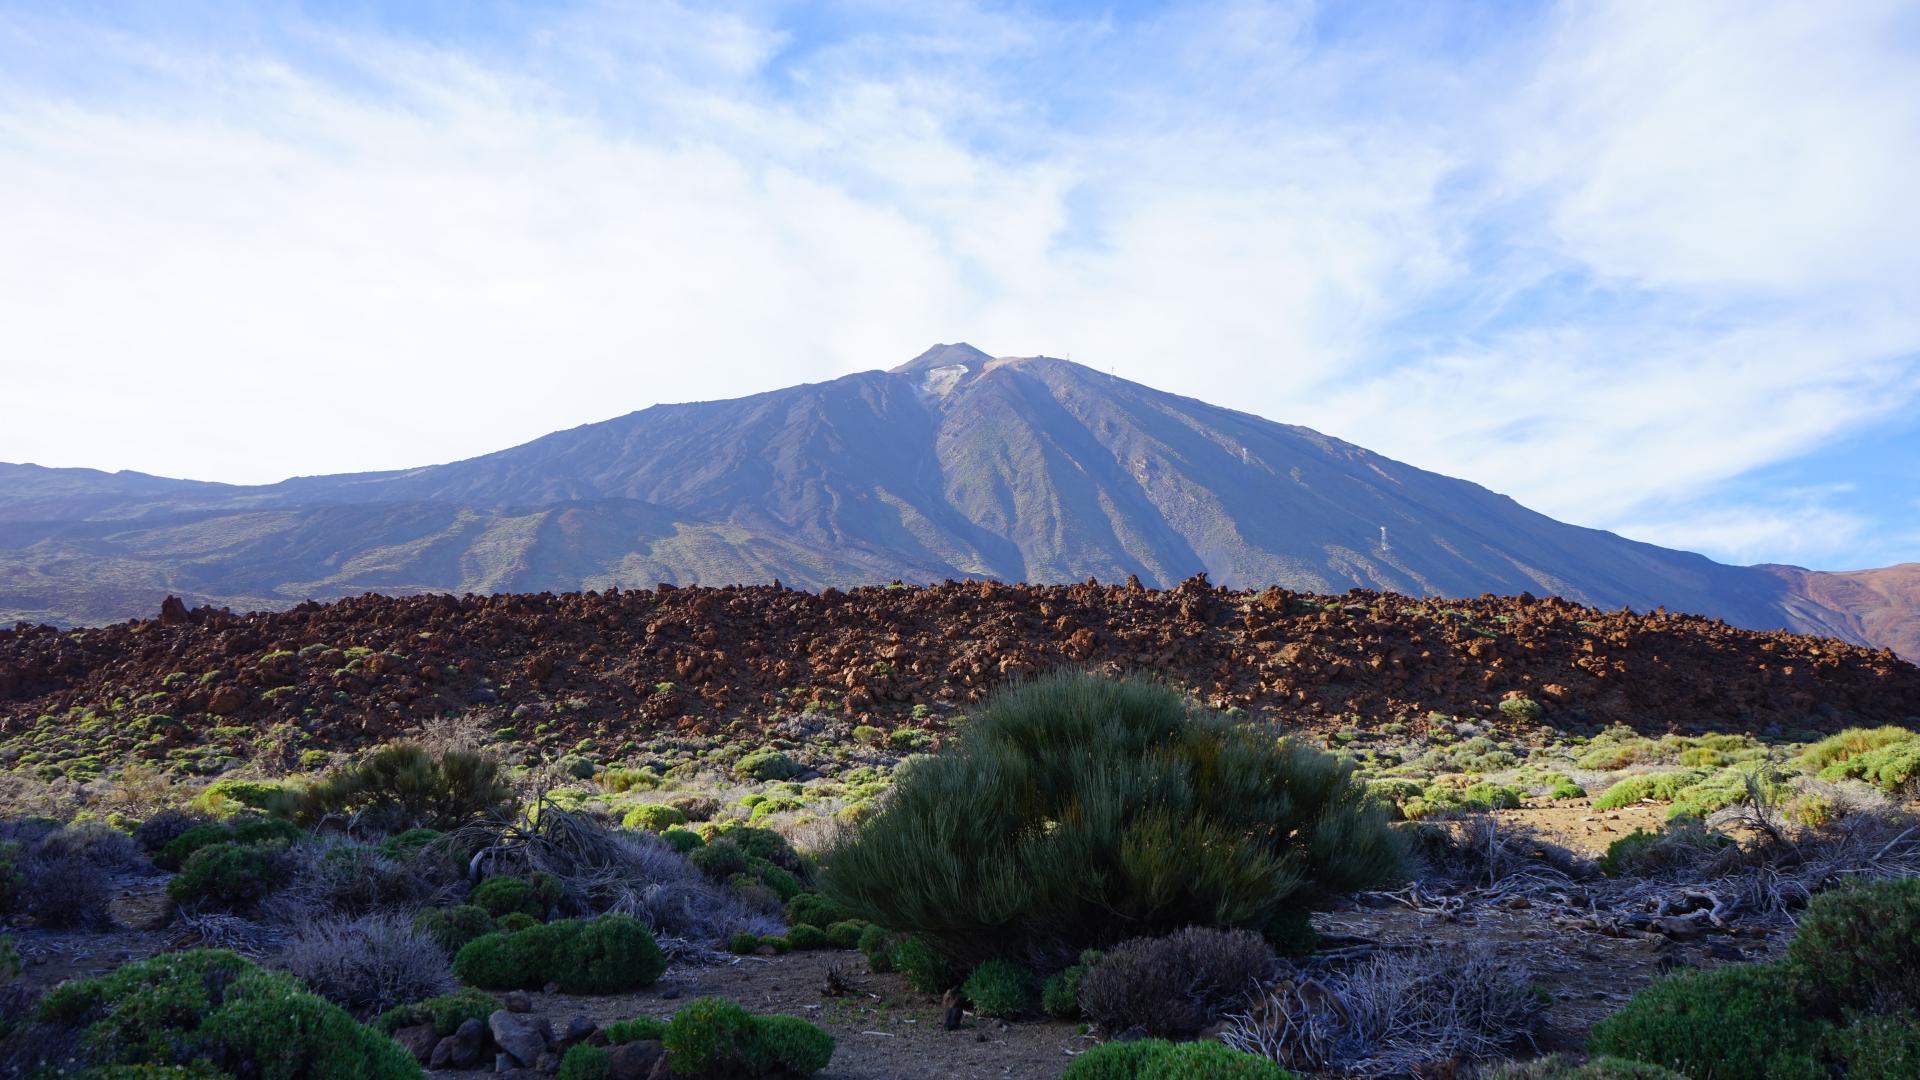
(204, 687)
(954, 465)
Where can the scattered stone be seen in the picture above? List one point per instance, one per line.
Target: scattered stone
(518, 1001)
(579, 1029)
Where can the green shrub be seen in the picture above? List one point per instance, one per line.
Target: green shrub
(405, 845)
(224, 798)
(846, 933)
(262, 831)
(1000, 988)
(1727, 787)
(767, 764)
(607, 955)
(504, 894)
(1060, 995)
(1659, 787)
(1157, 1059)
(1887, 1045)
(638, 1029)
(682, 840)
(783, 883)
(1859, 947)
(653, 817)
(446, 1013)
(877, 944)
(812, 909)
(804, 938)
(211, 1004)
(402, 785)
(1600, 1068)
(1849, 744)
(1078, 811)
(453, 927)
(744, 943)
(585, 1062)
(1892, 768)
(719, 859)
(514, 921)
(227, 875)
(926, 968)
(1521, 708)
(1682, 842)
(794, 1045)
(1731, 1023)
(712, 1039)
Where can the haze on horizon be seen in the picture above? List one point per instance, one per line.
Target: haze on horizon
(1649, 269)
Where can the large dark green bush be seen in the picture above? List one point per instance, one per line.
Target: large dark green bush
(505, 894)
(1157, 1059)
(403, 786)
(1739, 1022)
(215, 1006)
(1872, 1046)
(257, 831)
(228, 875)
(1079, 811)
(1859, 947)
(712, 1039)
(607, 955)
(585, 1062)
(1600, 1068)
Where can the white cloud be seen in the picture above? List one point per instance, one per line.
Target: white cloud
(1608, 263)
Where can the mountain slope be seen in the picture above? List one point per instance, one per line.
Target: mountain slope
(955, 464)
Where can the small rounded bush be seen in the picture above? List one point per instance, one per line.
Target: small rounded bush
(767, 764)
(744, 943)
(1730, 1023)
(638, 1029)
(1001, 989)
(1060, 996)
(446, 1013)
(585, 1062)
(846, 934)
(713, 1036)
(453, 927)
(804, 938)
(653, 817)
(607, 955)
(721, 858)
(516, 920)
(793, 1044)
(926, 970)
(505, 894)
(1859, 945)
(812, 909)
(404, 844)
(682, 840)
(227, 875)
(502, 961)
(174, 852)
(1156, 1059)
(877, 944)
(778, 879)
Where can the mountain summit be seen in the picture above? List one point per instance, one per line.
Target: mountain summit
(954, 464)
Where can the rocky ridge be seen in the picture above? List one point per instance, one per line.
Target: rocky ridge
(559, 667)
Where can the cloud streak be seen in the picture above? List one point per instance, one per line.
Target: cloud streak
(1609, 259)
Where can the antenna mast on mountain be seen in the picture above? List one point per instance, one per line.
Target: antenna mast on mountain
(1383, 540)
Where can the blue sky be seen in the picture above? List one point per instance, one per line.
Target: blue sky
(1651, 268)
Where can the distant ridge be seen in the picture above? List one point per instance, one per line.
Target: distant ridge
(956, 464)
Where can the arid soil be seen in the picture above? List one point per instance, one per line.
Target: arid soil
(694, 658)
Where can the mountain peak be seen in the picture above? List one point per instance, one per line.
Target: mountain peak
(958, 354)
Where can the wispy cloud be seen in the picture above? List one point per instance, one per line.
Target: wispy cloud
(1607, 258)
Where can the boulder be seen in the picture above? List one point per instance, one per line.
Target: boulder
(420, 1039)
(634, 1060)
(518, 1035)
